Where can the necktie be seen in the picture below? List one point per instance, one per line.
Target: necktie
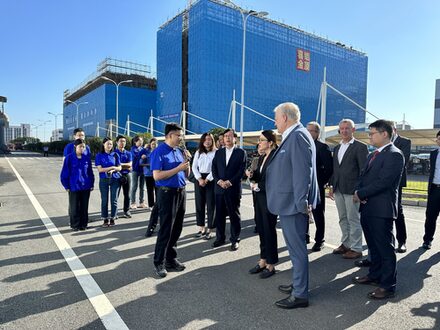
(375, 153)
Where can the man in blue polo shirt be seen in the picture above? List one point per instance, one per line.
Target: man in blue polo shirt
(78, 133)
(169, 166)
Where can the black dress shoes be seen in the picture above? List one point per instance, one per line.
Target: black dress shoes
(287, 289)
(235, 246)
(362, 263)
(426, 245)
(401, 248)
(364, 280)
(291, 302)
(317, 247)
(266, 273)
(217, 243)
(257, 269)
(174, 266)
(380, 293)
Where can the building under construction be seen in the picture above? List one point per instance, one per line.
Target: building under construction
(199, 66)
(92, 104)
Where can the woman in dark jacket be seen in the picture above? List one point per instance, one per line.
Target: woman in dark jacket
(78, 180)
(265, 221)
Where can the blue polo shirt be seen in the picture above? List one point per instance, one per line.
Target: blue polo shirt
(106, 160)
(146, 162)
(136, 153)
(124, 157)
(165, 158)
(70, 148)
(77, 174)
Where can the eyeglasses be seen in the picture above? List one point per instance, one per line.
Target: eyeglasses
(176, 134)
(372, 133)
(262, 140)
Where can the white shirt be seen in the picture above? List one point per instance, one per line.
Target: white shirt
(287, 131)
(202, 163)
(229, 152)
(436, 178)
(343, 149)
(383, 147)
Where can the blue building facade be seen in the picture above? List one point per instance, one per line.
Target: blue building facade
(100, 109)
(200, 60)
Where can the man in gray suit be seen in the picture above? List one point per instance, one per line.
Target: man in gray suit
(349, 158)
(292, 189)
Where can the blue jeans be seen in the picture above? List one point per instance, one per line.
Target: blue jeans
(137, 179)
(106, 185)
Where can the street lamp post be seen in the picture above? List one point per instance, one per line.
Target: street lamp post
(117, 98)
(56, 116)
(244, 15)
(44, 127)
(77, 110)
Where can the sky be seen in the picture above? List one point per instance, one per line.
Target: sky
(48, 46)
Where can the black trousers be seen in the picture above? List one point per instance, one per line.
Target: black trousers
(432, 212)
(379, 236)
(205, 199)
(149, 182)
(154, 216)
(266, 227)
(400, 221)
(171, 212)
(79, 208)
(227, 204)
(318, 215)
(126, 191)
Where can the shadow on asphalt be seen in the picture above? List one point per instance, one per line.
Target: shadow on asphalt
(224, 296)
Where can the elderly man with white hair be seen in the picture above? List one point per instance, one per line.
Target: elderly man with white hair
(292, 188)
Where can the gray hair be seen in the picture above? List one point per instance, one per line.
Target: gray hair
(349, 121)
(316, 124)
(291, 110)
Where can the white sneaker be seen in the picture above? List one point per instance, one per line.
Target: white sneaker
(142, 205)
(133, 206)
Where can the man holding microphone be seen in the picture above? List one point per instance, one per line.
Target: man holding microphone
(170, 166)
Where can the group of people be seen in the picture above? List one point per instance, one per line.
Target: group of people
(287, 182)
(118, 168)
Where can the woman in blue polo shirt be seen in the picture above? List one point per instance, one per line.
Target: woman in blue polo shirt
(78, 180)
(125, 180)
(109, 167)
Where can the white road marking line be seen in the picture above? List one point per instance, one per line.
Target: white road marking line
(105, 310)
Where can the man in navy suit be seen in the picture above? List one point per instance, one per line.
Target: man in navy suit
(377, 192)
(291, 189)
(228, 168)
(433, 205)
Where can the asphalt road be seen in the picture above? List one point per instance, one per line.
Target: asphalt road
(39, 290)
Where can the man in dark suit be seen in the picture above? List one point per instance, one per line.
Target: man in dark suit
(228, 168)
(324, 170)
(404, 145)
(348, 160)
(291, 189)
(433, 205)
(377, 191)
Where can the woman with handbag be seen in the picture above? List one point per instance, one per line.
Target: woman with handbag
(204, 184)
(265, 221)
(109, 167)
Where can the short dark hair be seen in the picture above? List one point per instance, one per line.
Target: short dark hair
(153, 139)
(383, 125)
(77, 142)
(172, 127)
(229, 130)
(438, 134)
(103, 142)
(201, 148)
(120, 137)
(77, 130)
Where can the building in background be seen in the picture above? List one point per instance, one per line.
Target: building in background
(92, 104)
(437, 104)
(57, 135)
(17, 131)
(199, 65)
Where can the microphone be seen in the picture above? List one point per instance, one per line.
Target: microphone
(185, 152)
